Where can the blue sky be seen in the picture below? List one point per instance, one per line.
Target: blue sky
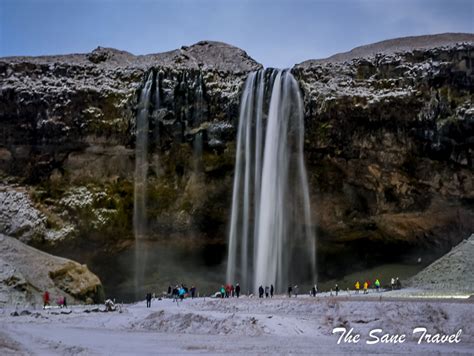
(276, 33)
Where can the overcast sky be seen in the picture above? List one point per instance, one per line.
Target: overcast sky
(277, 33)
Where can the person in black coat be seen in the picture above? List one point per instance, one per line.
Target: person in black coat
(237, 290)
(260, 292)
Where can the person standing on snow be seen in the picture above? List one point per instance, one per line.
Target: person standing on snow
(267, 291)
(295, 291)
(337, 289)
(392, 283)
(193, 292)
(148, 300)
(45, 299)
(181, 293)
(398, 284)
(289, 291)
(260, 292)
(377, 284)
(357, 287)
(175, 293)
(237, 290)
(366, 287)
(271, 291)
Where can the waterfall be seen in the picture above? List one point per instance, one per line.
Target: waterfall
(199, 103)
(141, 170)
(270, 239)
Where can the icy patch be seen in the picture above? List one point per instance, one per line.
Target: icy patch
(18, 216)
(61, 234)
(78, 198)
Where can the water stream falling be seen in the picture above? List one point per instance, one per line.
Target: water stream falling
(271, 239)
(141, 170)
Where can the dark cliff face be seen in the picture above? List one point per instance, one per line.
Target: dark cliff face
(389, 142)
(68, 132)
(389, 146)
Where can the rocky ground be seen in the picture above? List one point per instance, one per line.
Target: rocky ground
(302, 325)
(26, 273)
(451, 273)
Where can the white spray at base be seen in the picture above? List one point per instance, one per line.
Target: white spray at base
(271, 240)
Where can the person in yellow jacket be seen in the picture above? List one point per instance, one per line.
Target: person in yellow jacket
(366, 287)
(357, 287)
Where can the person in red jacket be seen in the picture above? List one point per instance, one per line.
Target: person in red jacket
(45, 299)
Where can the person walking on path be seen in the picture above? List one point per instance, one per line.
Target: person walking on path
(271, 291)
(148, 300)
(237, 290)
(337, 289)
(260, 292)
(222, 292)
(357, 287)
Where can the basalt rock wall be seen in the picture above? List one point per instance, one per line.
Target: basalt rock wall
(68, 135)
(389, 148)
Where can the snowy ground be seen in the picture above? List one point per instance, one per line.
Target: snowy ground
(245, 325)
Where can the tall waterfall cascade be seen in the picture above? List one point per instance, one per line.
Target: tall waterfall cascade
(147, 99)
(141, 159)
(271, 240)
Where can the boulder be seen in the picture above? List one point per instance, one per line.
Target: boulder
(25, 273)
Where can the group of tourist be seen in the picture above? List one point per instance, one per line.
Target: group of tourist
(228, 290)
(61, 301)
(268, 291)
(394, 284)
(180, 291)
